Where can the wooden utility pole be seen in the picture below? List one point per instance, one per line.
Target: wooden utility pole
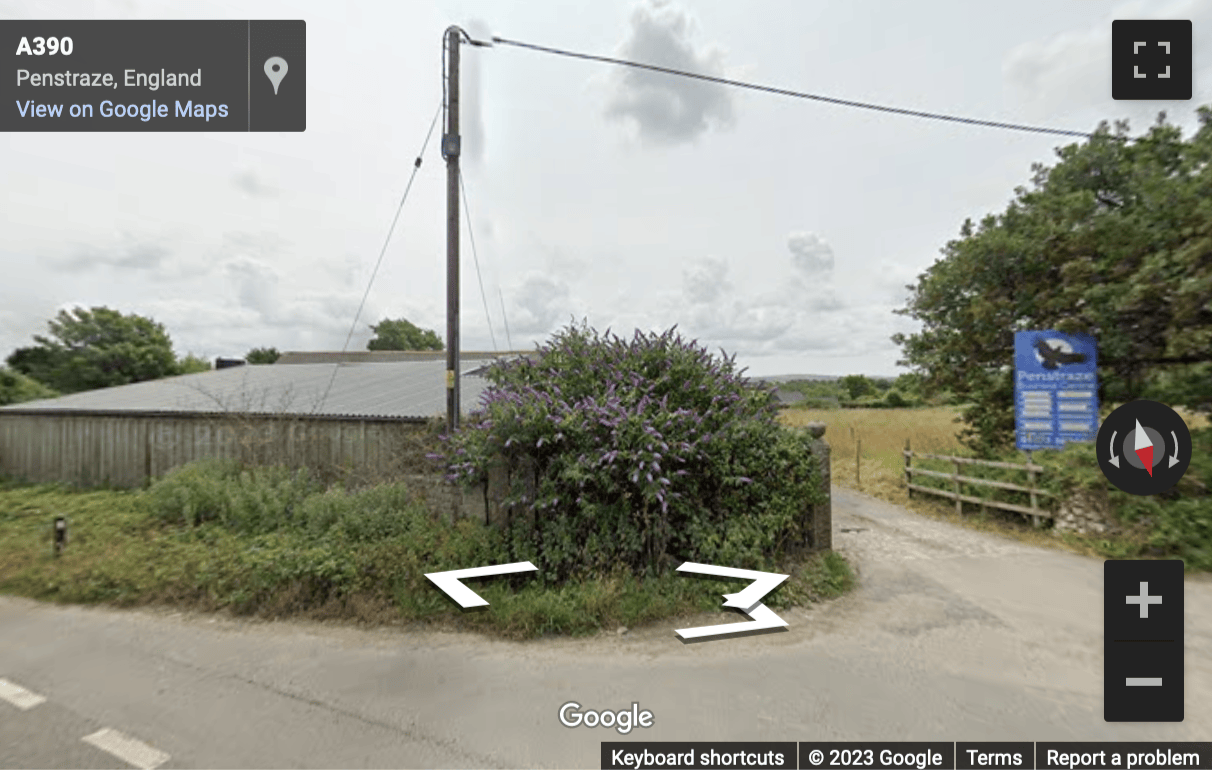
(450, 151)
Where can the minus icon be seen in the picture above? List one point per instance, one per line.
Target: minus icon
(1144, 682)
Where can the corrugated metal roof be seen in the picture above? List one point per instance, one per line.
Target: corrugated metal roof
(380, 356)
(402, 390)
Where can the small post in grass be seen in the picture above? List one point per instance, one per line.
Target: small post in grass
(858, 453)
(60, 535)
(908, 473)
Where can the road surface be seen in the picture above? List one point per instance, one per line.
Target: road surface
(952, 635)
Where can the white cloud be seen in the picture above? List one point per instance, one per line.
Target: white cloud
(810, 254)
(667, 109)
(541, 304)
(1069, 73)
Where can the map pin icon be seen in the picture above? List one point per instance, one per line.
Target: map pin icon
(275, 69)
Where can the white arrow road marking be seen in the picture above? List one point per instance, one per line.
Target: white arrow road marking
(449, 581)
(1114, 457)
(19, 696)
(1174, 457)
(763, 617)
(129, 750)
(763, 582)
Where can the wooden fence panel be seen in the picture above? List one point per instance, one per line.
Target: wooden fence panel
(957, 480)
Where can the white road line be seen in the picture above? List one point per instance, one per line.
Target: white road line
(127, 749)
(19, 696)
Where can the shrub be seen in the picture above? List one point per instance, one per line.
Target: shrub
(636, 453)
(250, 500)
(369, 515)
(16, 388)
(1179, 521)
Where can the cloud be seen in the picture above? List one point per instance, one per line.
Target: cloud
(711, 310)
(130, 253)
(667, 109)
(255, 283)
(540, 304)
(251, 182)
(810, 254)
(1070, 73)
(706, 281)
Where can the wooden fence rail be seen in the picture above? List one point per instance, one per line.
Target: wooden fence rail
(1034, 511)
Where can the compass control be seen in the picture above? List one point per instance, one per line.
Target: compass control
(1144, 447)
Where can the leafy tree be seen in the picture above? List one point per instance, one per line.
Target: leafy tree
(856, 386)
(16, 388)
(262, 356)
(97, 348)
(192, 364)
(909, 385)
(400, 334)
(1115, 240)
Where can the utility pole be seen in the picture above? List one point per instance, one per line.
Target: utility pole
(450, 151)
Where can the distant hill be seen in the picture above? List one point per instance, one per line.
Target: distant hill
(794, 377)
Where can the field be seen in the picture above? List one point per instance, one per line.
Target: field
(867, 455)
(882, 434)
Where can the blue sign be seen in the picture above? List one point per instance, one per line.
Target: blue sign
(1055, 389)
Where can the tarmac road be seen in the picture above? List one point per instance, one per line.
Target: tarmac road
(952, 635)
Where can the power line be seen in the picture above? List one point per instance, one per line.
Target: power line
(416, 166)
(787, 92)
(505, 318)
(472, 238)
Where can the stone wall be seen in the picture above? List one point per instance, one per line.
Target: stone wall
(1087, 512)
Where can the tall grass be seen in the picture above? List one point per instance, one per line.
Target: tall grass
(880, 468)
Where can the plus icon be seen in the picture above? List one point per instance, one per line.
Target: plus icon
(1144, 600)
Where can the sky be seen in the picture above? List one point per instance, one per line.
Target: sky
(782, 231)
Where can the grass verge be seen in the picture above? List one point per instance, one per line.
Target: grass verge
(265, 544)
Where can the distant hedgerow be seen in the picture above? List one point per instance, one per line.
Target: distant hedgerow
(641, 452)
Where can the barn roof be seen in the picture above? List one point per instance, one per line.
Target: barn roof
(405, 390)
(386, 356)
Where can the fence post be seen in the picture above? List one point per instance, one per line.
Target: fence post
(959, 504)
(908, 473)
(858, 453)
(1031, 484)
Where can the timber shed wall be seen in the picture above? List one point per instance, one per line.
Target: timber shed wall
(90, 449)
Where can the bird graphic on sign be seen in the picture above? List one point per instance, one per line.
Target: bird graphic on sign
(1051, 357)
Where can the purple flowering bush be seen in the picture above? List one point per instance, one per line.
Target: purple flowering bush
(640, 453)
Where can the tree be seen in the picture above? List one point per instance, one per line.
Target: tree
(16, 388)
(262, 356)
(192, 364)
(97, 348)
(856, 386)
(1114, 241)
(400, 334)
